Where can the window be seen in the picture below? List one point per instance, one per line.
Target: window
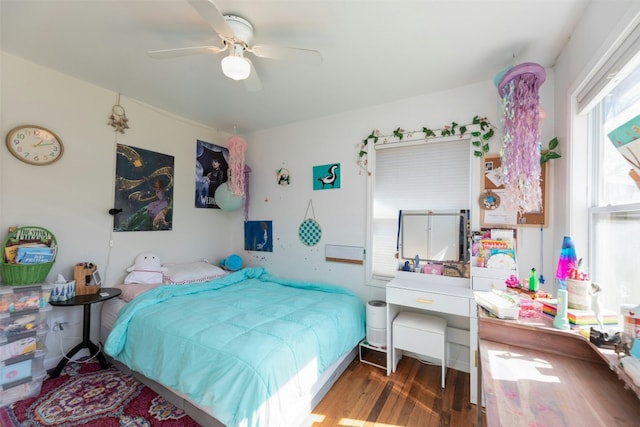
(614, 214)
(412, 175)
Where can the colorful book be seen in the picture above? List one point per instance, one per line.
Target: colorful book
(579, 317)
(11, 252)
(35, 255)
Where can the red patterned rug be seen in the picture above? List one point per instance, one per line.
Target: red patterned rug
(85, 395)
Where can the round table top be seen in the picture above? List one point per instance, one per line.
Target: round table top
(103, 295)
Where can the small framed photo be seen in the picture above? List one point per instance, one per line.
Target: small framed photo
(97, 280)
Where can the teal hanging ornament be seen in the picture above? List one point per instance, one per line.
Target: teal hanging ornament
(310, 231)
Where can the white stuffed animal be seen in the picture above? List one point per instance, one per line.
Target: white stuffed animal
(146, 269)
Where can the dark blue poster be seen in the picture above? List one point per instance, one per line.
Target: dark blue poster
(258, 236)
(144, 190)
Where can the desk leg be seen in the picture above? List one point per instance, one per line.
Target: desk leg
(479, 422)
(392, 312)
(94, 350)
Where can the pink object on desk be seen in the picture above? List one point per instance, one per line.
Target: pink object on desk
(432, 269)
(530, 309)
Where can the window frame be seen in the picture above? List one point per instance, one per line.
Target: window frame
(381, 281)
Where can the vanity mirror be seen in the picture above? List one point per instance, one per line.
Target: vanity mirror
(435, 236)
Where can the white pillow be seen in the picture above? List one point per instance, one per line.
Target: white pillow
(192, 272)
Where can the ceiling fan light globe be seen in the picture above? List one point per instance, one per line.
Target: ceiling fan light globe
(236, 67)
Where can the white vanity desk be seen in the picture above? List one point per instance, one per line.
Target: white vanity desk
(447, 297)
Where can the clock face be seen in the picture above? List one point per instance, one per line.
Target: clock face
(34, 145)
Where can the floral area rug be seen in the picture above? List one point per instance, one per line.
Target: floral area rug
(85, 395)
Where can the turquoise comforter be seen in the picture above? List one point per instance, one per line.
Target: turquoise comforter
(248, 345)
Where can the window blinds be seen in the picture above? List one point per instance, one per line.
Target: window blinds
(430, 176)
(614, 68)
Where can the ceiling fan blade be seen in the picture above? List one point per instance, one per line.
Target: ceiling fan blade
(184, 51)
(252, 83)
(209, 11)
(306, 56)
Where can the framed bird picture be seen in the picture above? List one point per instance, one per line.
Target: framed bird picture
(326, 177)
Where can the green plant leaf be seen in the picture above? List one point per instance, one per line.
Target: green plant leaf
(553, 144)
(549, 155)
(488, 135)
(428, 132)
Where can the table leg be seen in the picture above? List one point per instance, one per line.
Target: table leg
(94, 350)
(65, 359)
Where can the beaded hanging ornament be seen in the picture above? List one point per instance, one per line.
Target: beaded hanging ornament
(118, 118)
(237, 147)
(518, 89)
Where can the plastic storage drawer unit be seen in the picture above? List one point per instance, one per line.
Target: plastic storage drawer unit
(28, 387)
(16, 324)
(21, 344)
(422, 334)
(17, 369)
(18, 298)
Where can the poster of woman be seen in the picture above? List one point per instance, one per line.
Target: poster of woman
(212, 166)
(144, 190)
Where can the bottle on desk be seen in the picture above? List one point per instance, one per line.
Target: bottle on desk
(533, 281)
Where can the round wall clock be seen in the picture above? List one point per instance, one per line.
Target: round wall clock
(34, 145)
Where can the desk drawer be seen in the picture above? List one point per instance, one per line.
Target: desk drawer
(487, 284)
(429, 301)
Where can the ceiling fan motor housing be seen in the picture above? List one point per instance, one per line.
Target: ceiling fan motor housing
(242, 28)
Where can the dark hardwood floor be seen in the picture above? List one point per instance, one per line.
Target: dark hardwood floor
(364, 396)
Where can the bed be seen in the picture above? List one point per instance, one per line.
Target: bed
(247, 349)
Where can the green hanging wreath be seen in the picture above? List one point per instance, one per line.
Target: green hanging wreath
(480, 131)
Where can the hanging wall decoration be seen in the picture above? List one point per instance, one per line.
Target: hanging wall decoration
(118, 118)
(144, 190)
(326, 177)
(283, 177)
(518, 89)
(237, 147)
(479, 131)
(310, 231)
(489, 200)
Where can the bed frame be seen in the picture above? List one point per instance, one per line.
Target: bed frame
(203, 416)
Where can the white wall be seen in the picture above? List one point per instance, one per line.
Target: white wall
(72, 196)
(342, 212)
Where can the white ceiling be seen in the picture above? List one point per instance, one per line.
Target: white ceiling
(373, 51)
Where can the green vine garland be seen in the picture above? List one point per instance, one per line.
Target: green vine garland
(480, 131)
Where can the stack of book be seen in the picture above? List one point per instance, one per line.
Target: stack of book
(29, 253)
(579, 318)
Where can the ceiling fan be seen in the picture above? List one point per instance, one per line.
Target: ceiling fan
(236, 34)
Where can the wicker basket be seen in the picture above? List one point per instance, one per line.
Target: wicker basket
(26, 274)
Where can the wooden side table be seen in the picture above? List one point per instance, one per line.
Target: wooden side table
(86, 301)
